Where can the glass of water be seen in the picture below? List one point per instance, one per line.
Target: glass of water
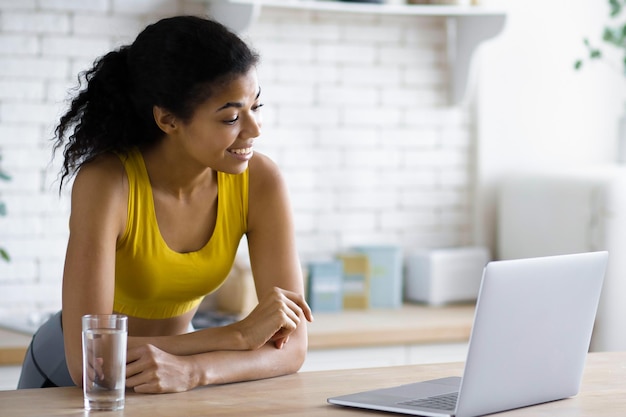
(104, 361)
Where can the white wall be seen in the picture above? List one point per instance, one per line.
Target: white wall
(355, 116)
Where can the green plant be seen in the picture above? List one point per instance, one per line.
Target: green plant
(613, 34)
(3, 211)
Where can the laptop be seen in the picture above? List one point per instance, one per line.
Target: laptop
(529, 342)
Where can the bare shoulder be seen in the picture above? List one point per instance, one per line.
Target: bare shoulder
(102, 175)
(268, 200)
(100, 195)
(264, 173)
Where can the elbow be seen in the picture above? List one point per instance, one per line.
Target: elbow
(77, 379)
(297, 358)
(298, 354)
(74, 367)
(299, 361)
(301, 354)
(76, 373)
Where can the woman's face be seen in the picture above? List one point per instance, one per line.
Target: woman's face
(222, 131)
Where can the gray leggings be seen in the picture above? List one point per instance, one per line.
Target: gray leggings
(44, 364)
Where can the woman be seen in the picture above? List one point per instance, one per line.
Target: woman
(161, 140)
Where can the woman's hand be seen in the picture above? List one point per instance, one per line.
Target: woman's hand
(151, 370)
(277, 315)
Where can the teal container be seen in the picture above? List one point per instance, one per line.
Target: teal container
(385, 275)
(325, 286)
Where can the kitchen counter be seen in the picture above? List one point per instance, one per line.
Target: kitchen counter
(411, 324)
(603, 393)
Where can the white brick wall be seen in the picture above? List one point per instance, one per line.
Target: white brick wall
(356, 116)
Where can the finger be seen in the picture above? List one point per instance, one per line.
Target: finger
(299, 300)
(281, 342)
(292, 314)
(138, 373)
(292, 302)
(92, 375)
(99, 369)
(134, 380)
(131, 384)
(304, 307)
(146, 389)
(134, 354)
(289, 323)
(308, 313)
(278, 344)
(133, 368)
(137, 360)
(95, 369)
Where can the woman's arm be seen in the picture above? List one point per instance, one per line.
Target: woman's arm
(276, 314)
(156, 371)
(275, 264)
(98, 217)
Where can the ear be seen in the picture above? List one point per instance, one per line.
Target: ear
(164, 119)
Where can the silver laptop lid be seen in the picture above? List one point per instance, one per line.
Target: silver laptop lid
(513, 362)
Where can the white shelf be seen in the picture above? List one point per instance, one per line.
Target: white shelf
(355, 7)
(467, 26)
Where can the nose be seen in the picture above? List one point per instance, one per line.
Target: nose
(252, 126)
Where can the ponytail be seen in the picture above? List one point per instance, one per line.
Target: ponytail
(101, 114)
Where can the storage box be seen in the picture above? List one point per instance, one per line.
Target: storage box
(356, 280)
(385, 275)
(441, 276)
(325, 286)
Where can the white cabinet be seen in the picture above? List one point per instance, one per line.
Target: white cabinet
(378, 356)
(9, 376)
(467, 26)
(353, 358)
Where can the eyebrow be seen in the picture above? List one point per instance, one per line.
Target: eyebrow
(237, 104)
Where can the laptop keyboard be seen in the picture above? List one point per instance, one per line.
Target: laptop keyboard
(445, 402)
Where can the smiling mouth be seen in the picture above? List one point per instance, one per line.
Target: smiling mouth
(241, 151)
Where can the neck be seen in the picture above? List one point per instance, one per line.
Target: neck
(175, 173)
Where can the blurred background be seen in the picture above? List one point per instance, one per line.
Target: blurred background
(358, 114)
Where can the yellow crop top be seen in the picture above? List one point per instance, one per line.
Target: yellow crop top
(153, 281)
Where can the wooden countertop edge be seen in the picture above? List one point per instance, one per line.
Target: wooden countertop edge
(411, 324)
(11, 356)
(384, 337)
(13, 345)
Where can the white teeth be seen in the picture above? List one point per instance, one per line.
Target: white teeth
(243, 151)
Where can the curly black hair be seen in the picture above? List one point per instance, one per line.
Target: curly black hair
(174, 64)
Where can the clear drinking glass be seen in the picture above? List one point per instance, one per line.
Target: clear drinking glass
(104, 361)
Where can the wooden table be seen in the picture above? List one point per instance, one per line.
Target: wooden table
(603, 393)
